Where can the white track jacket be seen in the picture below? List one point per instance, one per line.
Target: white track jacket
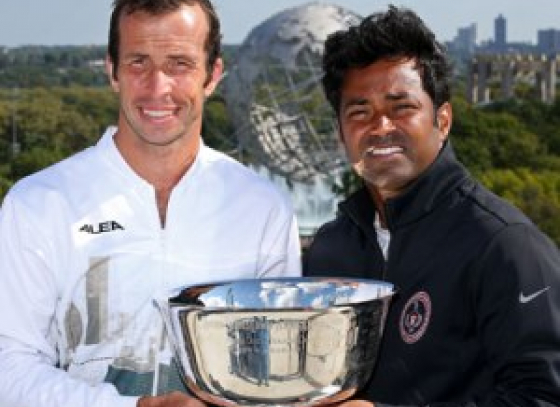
(82, 255)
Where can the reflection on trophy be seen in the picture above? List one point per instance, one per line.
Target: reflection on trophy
(285, 341)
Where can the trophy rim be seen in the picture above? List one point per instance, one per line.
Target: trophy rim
(184, 295)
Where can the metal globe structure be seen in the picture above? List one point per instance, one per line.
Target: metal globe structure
(282, 119)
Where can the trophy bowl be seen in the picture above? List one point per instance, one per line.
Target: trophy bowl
(283, 341)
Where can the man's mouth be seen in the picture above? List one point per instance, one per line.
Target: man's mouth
(158, 114)
(380, 151)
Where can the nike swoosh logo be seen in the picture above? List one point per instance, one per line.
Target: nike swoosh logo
(524, 299)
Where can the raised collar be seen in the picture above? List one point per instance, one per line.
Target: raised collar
(108, 150)
(439, 180)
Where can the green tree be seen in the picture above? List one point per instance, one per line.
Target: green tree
(536, 194)
(50, 124)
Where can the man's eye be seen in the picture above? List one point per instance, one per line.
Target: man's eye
(179, 66)
(403, 109)
(179, 63)
(357, 114)
(137, 63)
(404, 106)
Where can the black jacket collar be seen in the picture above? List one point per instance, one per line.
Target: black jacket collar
(439, 180)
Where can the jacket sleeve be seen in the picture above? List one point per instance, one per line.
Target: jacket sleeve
(30, 375)
(516, 299)
(518, 312)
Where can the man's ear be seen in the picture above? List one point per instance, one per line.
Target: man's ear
(444, 118)
(111, 73)
(215, 77)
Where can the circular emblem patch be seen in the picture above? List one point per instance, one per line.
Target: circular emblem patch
(415, 317)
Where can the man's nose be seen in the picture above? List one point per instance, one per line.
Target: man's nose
(383, 124)
(160, 82)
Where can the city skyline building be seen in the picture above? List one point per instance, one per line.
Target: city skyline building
(466, 44)
(466, 39)
(500, 33)
(548, 41)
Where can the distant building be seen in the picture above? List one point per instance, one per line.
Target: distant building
(548, 41)
(462, 47)
(540, 71)
(500, 44)
(465, 40)
(500, 34)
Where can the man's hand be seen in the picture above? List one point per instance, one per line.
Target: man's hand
(175, 399)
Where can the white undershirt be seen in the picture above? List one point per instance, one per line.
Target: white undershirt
(383, 236)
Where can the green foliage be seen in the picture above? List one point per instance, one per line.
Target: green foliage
(48, 125)
(34, 66)
(217, 128)
(32, 160)
(486, 139)
(5, 181)
(536, 194)
(5, 185)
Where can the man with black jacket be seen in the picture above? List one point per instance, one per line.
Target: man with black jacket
(476, 320)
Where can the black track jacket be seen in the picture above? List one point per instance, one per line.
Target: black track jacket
(476, 320)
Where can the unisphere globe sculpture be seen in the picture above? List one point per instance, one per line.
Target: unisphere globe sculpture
(275, 99)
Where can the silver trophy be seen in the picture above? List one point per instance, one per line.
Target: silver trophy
(289, 341)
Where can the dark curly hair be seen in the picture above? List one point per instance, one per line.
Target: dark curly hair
(155, 7)
(398, 32)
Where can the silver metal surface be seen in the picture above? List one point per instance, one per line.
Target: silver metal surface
(293, 341)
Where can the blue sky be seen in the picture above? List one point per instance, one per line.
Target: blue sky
(81, 22)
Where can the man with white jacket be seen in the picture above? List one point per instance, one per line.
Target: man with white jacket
(87, 243)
